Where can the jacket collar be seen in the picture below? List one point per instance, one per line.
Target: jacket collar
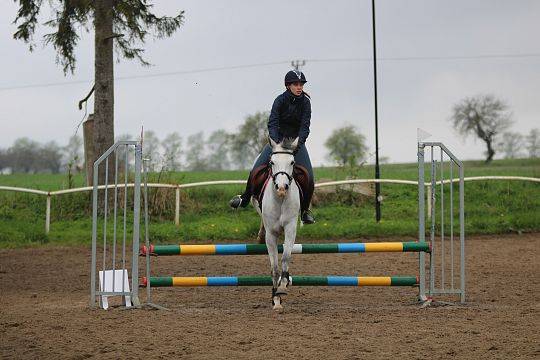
(292, 97)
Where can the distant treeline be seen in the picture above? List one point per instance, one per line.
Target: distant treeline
(29, 156)
(221, 150)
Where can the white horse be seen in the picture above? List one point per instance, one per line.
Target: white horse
(280, 209)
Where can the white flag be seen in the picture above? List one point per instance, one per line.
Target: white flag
(421, 135)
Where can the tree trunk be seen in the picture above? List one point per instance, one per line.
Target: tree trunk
(490, 151)
(104, 83)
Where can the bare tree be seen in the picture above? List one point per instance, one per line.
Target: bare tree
(51, 158)
(122, 153)
(218, 150)
(172, 151)
(23, 156)
(4, 164)
(126, 23)
(482, 115)
(73, 153)
(510, 145)
(195, 154)
(533, 143)
(29, 156)
(151, 150)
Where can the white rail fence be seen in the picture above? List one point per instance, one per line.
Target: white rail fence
(177, 188)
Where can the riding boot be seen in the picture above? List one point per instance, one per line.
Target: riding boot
(306, 215)
(243, 200)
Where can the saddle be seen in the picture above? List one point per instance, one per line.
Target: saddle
(262, 175)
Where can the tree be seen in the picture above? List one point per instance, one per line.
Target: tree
(172, 150)
(73, 154)
(510, 144)
(346, 146)
(28, 156)
(151, 150)
(252, 136)
(3, 160)
(122, 153)
(195, 154)
(23, 155)
(50, 158)
(482, 115)
(218, 150)
(533, 143)
(128, 23)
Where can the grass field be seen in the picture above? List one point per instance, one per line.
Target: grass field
(491, 207)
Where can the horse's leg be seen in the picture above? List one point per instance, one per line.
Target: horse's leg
(271, 244)
(290, 236)
(261, 236)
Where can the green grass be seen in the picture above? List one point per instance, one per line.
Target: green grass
(507, 167)
(491, 207)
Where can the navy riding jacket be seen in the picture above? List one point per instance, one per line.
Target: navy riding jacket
(290, 117)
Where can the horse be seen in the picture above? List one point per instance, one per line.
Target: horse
(279, 214)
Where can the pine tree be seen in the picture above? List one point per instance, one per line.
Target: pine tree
(125, 25)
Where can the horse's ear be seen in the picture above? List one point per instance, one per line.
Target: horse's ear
(294, 144)
(272, 142)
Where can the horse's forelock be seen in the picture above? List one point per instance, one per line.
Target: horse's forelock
(278, 147)
(287, 144)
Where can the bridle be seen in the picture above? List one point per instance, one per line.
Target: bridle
(289, 177)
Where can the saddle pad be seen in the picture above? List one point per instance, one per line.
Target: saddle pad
(262, 175)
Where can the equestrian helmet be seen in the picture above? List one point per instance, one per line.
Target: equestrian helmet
(295, 76)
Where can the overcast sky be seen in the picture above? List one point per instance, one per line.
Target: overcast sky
(412, 92)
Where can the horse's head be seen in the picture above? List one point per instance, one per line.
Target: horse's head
(282, 164)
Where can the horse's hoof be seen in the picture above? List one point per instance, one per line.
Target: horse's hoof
(283, 285)
(276, 304)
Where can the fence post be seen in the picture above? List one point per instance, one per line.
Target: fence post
(428, 192)
(48, 214)
(421, 224)
(136, 225)
(462, 231)
(177, 207)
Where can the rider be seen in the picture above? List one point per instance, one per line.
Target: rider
(290, 118)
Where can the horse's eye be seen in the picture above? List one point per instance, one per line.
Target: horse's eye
(271, 163)
(292, 162)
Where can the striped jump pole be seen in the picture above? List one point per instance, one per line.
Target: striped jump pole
(260, 249)
(168, 281)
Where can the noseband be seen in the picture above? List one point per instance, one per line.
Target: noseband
(289, 177)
